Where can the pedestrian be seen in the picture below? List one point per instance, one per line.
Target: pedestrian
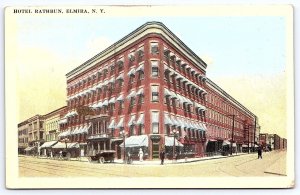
(259, 152)
(141, 155)
(162, 156)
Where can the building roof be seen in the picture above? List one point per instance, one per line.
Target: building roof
(224, 93)
(147, 28)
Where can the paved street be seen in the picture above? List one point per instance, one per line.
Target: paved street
(272, 164)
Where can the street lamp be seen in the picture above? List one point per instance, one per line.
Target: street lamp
(124, 135)
(175, 133)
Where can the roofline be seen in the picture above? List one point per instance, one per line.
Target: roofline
(144, 27)
(230, 97)
(61, 108)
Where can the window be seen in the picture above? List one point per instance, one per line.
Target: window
(140, 53)
(154, 48)
(141, 75)
(141, 99)
(112, 68)
(131, 79)
(154, 65)
(167, 129)
(155, 95)
(141, 130)
(155, 122)
(131, 57)
(121, 104)
(120, 65)
(131, 130)
(132, 101)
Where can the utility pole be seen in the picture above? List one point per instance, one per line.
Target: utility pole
(232, 133)
(254, 133)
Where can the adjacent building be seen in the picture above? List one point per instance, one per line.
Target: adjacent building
(151, 91)
(22, 137)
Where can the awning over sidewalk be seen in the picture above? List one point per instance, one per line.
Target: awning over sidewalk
(29, 148)
(225, 142)
(135, 141)
(169, 141)
(62, 145)
(48, 144)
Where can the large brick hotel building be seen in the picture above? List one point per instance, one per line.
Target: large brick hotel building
(149, 84)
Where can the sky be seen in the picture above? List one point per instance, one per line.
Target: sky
(245, 55)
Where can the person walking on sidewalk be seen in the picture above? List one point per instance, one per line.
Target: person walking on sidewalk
(162, 156)
(141, 155)
(259, 152)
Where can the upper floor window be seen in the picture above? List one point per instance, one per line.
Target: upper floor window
(155, 93)
(140, 52)
(154, 67)
(155, 122)
(154, 48)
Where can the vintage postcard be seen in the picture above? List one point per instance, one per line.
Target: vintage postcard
(149, 97)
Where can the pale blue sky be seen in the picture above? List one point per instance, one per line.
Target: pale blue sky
(236, 45)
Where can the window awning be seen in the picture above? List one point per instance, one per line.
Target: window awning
(154, 117)
(84, 129)
(105, 103)
(169, 141)
(131, 121)
(63, 121)
(75, 131)
(112, 80)
(175, 121)
(135, 141)
(182, 123)
(99, 85)
(120, 77)
(120, 123)
(167, 92)
(48, 144)
(105, 83)
(140, 120)
(140, 68)
(167, 119)
(120, 98)
(112, 100)
(65, 133)
(112, 124)
(173, 95)
(99, 105)
(140, 91)
(131, 94)
(131, 72)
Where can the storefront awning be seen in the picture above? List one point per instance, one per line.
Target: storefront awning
(29, 148)
(169, 141)
(135, 141)
(62, 145)
(48, 144)
(225, 142)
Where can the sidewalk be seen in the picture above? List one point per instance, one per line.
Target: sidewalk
(180, 161)
(153, 162)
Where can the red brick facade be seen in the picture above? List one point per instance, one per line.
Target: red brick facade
(146, 72)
